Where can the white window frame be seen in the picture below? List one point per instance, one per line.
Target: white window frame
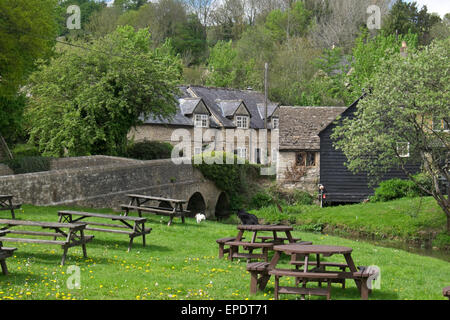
(242, 152)
(400, 150)
(242, 122)
(274, 155)
(201, 120)
(275, 123)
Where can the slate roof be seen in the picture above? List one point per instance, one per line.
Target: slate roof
(251, 99)
(228, 107)
(188, 105)
(221, 102)
(300, 126)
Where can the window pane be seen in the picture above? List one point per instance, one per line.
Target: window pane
(311, 159)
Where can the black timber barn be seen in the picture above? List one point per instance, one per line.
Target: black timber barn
(341, 185)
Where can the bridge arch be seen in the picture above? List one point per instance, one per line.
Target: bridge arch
(196, 204)
(222, 207)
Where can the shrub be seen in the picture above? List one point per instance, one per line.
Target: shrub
(150, 150)
(25, 150)
(231, 178)
(261, 200)
(396, 189)
(302, 198)
(28, 164)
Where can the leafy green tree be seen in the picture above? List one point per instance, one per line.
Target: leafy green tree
(406, 18)
(222, 65)
(189, 40)
(87, 99)
(404, 120)
(27, 30)
(367, 54)
(293, 22)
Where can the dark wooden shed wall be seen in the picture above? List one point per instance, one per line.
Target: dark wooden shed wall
(341, 184)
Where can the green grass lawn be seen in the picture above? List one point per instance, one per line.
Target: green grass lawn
(406, 220)
(180, 262)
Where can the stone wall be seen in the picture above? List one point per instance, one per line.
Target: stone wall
(106, 184)
(308, 183)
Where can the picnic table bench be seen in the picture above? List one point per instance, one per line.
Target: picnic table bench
(166, 207)
(7, 205)
(266, 244)
(73, 237)
(135, 226)
(5, 253)
(261, 272)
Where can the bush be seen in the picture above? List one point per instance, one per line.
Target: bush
(261, 200)
(25, 150)
(150, 150)
(396, 189)
(290, 197)
(302, 198)
(231, 178)
(28, 164)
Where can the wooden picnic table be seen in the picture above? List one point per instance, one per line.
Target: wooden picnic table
(265, 243)
(73, 237)
(165, 206)
(5, 253)
(314, 271)
(7, 205)
(135, 226)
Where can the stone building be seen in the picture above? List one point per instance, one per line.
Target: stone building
(299, 155)
(218, 119)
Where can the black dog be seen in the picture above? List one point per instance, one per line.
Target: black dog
(247, 218)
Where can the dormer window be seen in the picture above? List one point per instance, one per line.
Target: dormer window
(201, 120)
(275, 123)
(242, 122)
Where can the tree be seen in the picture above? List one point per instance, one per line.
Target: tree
(222, 65)
(27, 33)
(88, 98)
(367, 54)
(406, 18)
(405, 115)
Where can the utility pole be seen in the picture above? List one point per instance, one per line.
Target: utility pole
(266, 92)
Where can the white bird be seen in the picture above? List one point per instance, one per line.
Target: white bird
(200, 217)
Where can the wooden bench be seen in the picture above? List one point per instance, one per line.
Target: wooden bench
(250, 246)
(135, 226)
(222, 243)
(5, 253)
(259, 276)
(307, 276)
(324, 276)
(167, 207)
(279, 240)
(7, 205)
(73, 237)
(323, 266)
(446, 292)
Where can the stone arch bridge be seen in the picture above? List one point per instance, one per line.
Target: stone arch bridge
(104, 182)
